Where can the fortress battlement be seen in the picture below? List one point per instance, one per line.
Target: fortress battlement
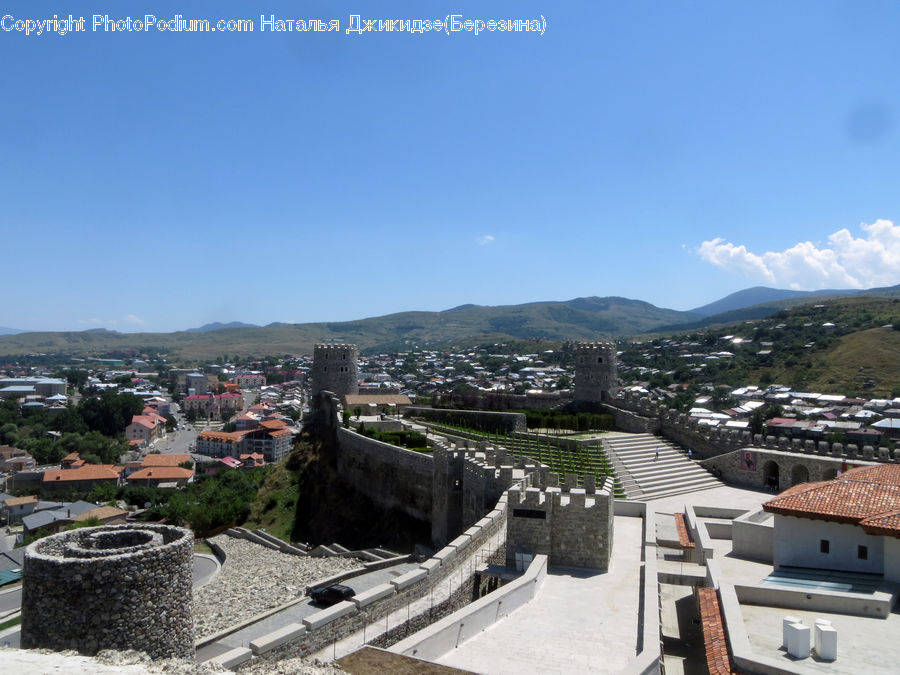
(572, 526)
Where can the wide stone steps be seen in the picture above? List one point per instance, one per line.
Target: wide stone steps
(649, 467)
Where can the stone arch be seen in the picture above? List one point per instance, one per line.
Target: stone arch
(799, 474)
(770, 474)
(829, 473)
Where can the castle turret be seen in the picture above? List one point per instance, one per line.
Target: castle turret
(595, 371)
(335, 369)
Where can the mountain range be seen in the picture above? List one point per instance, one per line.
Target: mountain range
(578, 319)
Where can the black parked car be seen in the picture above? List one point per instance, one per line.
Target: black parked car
(331, 595)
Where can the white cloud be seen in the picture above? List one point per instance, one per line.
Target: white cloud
(844, 262)
(486, 239)
(133, 318)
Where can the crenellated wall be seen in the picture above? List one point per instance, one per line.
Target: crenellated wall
(632, 411)
(571, 525)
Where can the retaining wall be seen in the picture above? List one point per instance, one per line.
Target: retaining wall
(448, 633)
(404, 590)
(497, 422)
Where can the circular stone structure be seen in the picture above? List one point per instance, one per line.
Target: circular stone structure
(110, 587)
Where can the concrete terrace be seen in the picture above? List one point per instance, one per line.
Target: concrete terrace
(580, 621)
(865, 644)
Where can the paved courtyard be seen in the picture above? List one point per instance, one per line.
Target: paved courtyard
(580, 621)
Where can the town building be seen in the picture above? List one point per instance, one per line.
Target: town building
(83, 479)
(851, 523)
(250, 380)
(147, 428)
(14, 459)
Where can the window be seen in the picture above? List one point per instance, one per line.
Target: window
(824, 546)
(599, 359)
(862, 552)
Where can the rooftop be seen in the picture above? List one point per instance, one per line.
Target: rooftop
(86, 472)
(161, 473)
(868, 496)
(164, 460)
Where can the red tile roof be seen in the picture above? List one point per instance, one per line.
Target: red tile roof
(684, 537)
(86, 472)
(161, 473)
(151, 420)
(718, 661)
(164, 460)
(868, 496)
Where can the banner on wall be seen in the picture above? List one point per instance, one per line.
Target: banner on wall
(748, 460)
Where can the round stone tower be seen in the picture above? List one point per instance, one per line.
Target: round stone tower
(595, 371)
(110, 587)
(335, 369)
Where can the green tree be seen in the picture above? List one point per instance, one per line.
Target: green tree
(110, 412)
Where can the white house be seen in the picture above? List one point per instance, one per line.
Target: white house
(851, 523)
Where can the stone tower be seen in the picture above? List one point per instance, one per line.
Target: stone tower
(595, 371)
(335, 369)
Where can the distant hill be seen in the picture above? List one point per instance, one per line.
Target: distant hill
(759, 295)
(10, 331)
(760, 311)
(217, 325)
(579, 319)
(588, 318)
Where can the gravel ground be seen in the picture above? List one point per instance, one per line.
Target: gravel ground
(292, 667)
(254, 579)
(109, 662)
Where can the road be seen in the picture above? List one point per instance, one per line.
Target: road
(180, 440)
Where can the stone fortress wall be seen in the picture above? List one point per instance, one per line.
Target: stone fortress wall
(392, 477)
(708, 441)
(110, 587)
(335, 369)
(475, 489)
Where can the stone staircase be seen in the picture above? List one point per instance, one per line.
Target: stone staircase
(644, 476)
(263, 538)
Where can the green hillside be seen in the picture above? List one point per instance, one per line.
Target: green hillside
(582, 318)
(767, 309)
(865, 361)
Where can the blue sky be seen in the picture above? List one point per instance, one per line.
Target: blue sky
(671, 152)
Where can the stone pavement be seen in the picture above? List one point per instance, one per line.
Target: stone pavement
(580, 621)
